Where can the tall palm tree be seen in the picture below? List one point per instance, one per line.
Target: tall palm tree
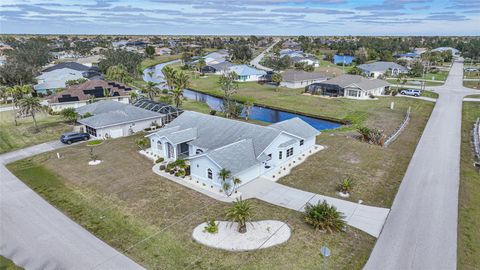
(133, 96)
(240, 212)
(169, 75)
(177, 96)
(31, 105)
(181, 80)
(150, 89)
(17, 92)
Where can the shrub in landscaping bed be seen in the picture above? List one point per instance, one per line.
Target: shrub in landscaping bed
(159, 160)
(324, 217)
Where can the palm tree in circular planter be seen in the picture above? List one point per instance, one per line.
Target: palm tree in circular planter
(324, 217)
(241, 213)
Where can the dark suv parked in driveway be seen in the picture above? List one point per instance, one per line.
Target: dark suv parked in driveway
(71, 137)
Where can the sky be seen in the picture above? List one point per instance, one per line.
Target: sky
(241, 17)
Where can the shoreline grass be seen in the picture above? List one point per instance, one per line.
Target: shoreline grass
(469, 200)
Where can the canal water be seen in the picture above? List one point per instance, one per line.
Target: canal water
(256, 112)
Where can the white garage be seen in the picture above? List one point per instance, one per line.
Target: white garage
(112, 119)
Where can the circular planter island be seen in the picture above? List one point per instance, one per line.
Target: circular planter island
(259, 235)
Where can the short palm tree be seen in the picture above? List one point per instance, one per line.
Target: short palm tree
(345, 186)
(277, 79)
(69, 114)
(248, 107)
(324, 217)
(31, 105)
(17, 92)
(241, 213)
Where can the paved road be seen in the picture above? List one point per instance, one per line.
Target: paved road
(366, 218)
(256, 61)
(421, 229)
(35, 235)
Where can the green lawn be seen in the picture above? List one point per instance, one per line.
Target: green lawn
(150, 219)
(15, 137)
(148, 62)
(6, 264)
(438, 76)
(376, 172)
(473, 96)
(472, 84)
(469, 200)
(393, 82)
(471, 75)
(429, 94)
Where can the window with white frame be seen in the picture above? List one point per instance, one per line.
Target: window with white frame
(302, 142)
(280, 154)
(209, 174)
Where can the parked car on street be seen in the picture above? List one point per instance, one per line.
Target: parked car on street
(71, 137)
(411, 92)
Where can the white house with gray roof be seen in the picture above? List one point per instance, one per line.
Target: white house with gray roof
(113, 119)
(349, 86)
(380, 68)
(210, 143)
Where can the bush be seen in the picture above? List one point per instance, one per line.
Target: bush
(213, 112)
(162, 167)
(345, 186)
(211, 227)
(159, 160)
(324, 217)
(177, 174)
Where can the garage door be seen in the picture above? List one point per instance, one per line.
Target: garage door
(115, 133)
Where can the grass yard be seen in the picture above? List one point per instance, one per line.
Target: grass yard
(472, 84)
(471, 75)
(473, 96)
(469, 201)
(6, 264)
(15, 137)
(151, 219)
(376, 172)
(438, 76)
(148, 62)
(429, 94)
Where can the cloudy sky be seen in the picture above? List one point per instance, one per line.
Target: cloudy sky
(228, 17)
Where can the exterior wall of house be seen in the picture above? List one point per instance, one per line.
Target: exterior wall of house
(300, 84)
(126, 129)
(361, 94)
(199, 170)
(249, 78)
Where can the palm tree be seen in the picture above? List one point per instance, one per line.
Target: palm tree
(181, 80)
(240, 212)
(169, 74)
(31, 105)
(17, 93)
(201, 64)
(133, 96)
(224, 174)
(325, 217)
(118, 73)
(277, 79)
(69, 114)
(248, 107)
(150, 89)
(177, 95)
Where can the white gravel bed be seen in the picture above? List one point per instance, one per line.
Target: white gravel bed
(259, 235)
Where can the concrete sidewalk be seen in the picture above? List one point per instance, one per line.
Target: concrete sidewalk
(35, 235)
(366, 218)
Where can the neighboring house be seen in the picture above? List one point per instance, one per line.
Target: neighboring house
(89, 61)
(290, 44)
(217, 57)
(49, 82)
(79, 95)
(419, 51)
(311, 61)
(170, 112)
(54, 77)
(4, 48)
(350, 86)
(343, 59)
(113, 119)
(454, 51)
(163, 51)
(300, 78)
(210, 144)
(247, 74)
(220, 68)
(380, 68)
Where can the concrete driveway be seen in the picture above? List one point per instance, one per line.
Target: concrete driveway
(35, 235)
(366, 218)
(421, 229)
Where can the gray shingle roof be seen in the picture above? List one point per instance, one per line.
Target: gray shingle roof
(300, 75)
(297, 127)
(101, 106)
(70, 65)
(181, 136)
(382, 67)
(243, 157)
(111, 115)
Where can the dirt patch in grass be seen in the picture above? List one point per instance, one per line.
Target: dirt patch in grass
(123, 202)
(376, 172)
(469, 200)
